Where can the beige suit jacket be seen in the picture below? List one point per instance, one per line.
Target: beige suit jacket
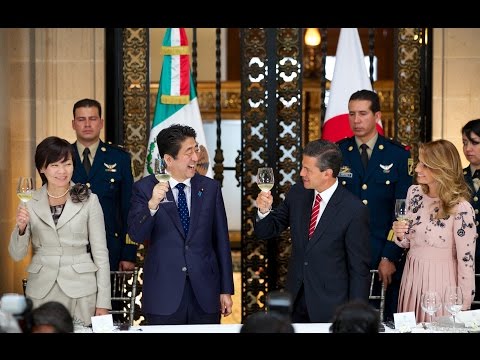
(59, 251)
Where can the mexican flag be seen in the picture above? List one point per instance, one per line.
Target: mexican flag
(349, 75)
(176, 99)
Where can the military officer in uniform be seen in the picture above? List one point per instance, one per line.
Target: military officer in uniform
(379, 171)
(107, 171)
(471, 150)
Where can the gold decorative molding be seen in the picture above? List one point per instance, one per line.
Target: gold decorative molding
(135, 96)
(230, 96)
(408, 86)
(230, 100)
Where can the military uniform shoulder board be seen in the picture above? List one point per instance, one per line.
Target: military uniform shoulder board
(115, 146)
(399, 144)
(339, 142)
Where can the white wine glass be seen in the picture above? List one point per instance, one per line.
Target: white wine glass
(25, 189)
(401, 210)
(265, 178)
(161, 174)
(453, 301)
(431, 302)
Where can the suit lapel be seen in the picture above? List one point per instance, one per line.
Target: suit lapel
(69, 211)
(327, 219)
(196, 201)
(172, 211)
(306, 206)
(355, 160)
(98, 161)
(469, 181)
(79, 169)
(376, 158)
(41, 208)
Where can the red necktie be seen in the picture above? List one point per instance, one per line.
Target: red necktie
(314, 216)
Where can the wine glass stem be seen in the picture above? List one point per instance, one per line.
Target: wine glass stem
(454, 327)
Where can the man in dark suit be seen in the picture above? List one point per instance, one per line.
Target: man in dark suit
(109, 176)
(384, 178)
(471, 150)
(330, 267)
(188, 277)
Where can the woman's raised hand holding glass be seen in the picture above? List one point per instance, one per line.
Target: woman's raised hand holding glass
(25, 188)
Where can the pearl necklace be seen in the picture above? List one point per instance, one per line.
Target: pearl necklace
(58, 197)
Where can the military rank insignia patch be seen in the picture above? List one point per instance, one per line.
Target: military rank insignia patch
(110, 167)
(345, 172)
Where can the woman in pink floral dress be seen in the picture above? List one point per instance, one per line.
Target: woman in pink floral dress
(440, 232)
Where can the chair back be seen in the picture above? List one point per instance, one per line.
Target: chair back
(381, 296)
(24, 286)
(124, 291)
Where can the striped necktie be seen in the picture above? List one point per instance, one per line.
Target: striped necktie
(314, 216)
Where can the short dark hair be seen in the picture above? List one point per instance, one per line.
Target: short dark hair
(369, 95)
(328, 154)
(266, 322)
(50, 150)
(169, 140)
(87, 103)
(54, 314)
(473, 126)
(355, 317)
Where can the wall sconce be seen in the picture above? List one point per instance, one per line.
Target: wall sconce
(311, 58)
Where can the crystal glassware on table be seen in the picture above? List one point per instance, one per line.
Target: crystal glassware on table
(431, 302)
(453, 301)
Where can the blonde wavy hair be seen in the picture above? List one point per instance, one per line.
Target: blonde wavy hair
(443, 159)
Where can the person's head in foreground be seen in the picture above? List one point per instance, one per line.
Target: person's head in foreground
(355, 317)
(51, 317)
(267, 322)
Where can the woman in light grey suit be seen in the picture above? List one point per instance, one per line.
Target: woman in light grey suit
(60, 221)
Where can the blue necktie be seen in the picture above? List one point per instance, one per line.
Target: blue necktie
(182, 207)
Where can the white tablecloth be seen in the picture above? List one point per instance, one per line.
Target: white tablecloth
(220, 328)
(235, 328)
